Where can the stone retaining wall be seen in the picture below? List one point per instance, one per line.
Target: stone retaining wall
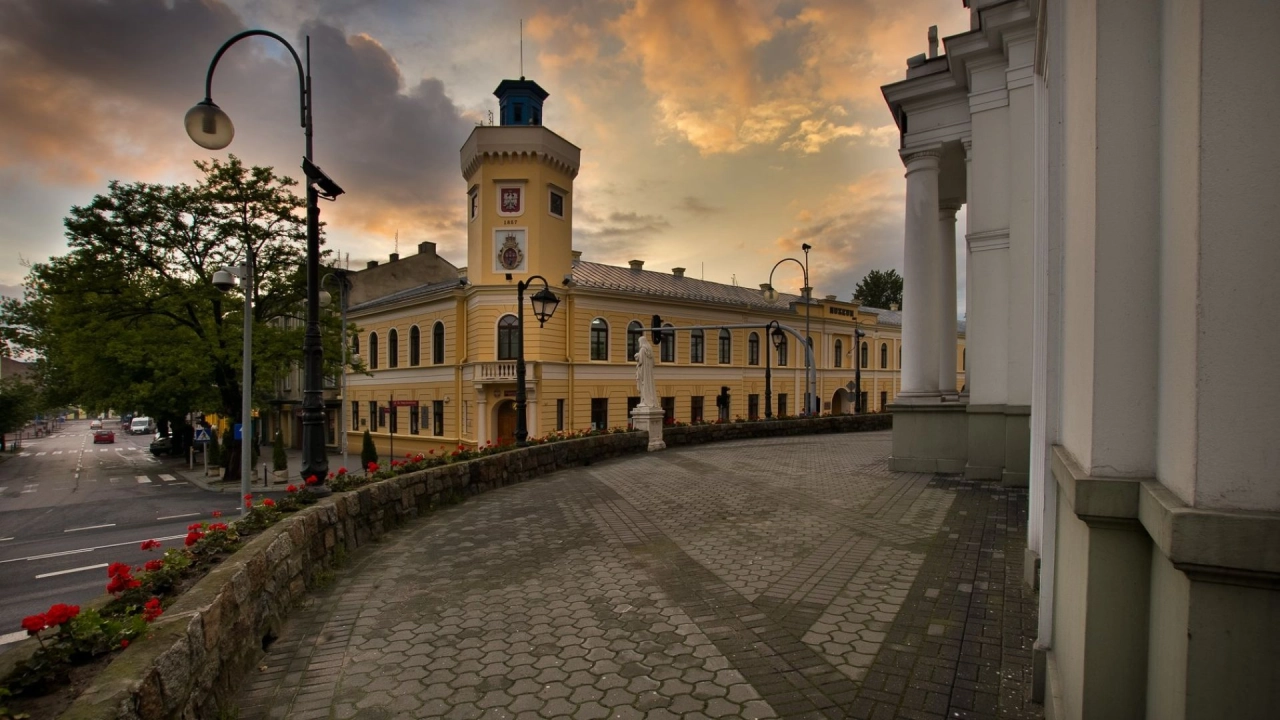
(212, 636)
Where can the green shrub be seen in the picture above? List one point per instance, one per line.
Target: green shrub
(368, 452)
(214, 448)
(279, 461)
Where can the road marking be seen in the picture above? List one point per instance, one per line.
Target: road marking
(142, 479)
(2, 489)
(90, 549)
(73, 570)
(13, 637)
(89, 527)
(175, 517)
(5, 539)
(31, 488)
(114, 479)
(168, 478)
(57, 452)
(40, 453)
(25, 454)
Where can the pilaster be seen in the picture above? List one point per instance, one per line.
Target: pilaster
(947, 301)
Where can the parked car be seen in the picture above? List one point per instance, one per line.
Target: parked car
(95, 424)
(141, 426)
(103, 436)
(161, 446)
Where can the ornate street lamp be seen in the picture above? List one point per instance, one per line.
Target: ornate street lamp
(772, 294)
(774, 336)
(544, 304)
(857, 368)
(211, 128)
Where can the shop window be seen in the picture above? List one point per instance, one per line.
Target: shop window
(695, 408)
(599, 413)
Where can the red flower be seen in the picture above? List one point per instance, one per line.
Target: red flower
(121, 580)
(61, 613)
(329, 476)
(409, 455)
(217, 513)
(193, 537)
(118, 569)
(373, 467)
(342, 471)
(248, 503)
(35, 623)
(311, 480)
(433, 452)
(152, 609)
(154, 565)
(291, 489)
(124, 643)
(195, 526)
(269, 502)
(150, 544)
(461, 446)
(218, 527)
(248, 496)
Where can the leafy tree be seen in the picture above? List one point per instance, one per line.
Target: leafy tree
(279, 461)
(213, 449)
(129, 317)
(368, 451)
(880, 288)
(18, 403)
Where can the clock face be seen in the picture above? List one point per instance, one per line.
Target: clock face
(510, 200)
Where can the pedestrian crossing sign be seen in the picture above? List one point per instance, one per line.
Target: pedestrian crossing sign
(202, 435)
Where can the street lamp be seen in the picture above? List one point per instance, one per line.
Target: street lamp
(210, 127)
(544, 304)
(857, 367)
(774, 336)
(224, 280)
(343, 283)
(772, 294)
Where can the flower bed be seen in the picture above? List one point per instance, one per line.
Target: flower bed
(196, 620)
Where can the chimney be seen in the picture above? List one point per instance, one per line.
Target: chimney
(831, 298)
(637, 264)
(933, 41)
(426, 248)
(395, 257)
(678, 272)
(372, 264)
(577, 256)
(893, 306)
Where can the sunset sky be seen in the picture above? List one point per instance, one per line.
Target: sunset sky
(716, 135)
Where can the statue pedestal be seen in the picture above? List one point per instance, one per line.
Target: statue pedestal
(649, 419)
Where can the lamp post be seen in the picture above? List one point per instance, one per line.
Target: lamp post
(211, 128)
(857, 368)
(774, 336)
(343, 281)
(811, 373)
(223, 280)
(544, 304)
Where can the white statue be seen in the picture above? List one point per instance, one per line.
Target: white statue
(644, 372)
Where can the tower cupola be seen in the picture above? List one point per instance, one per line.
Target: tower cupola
(520, 102)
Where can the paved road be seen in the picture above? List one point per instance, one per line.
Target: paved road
(792, 577)
(69, 507)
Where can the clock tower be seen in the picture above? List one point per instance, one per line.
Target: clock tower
(519, 180)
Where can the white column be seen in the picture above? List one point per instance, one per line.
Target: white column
(920, 292)
(482, 433)
(947, 300)
(968, 283)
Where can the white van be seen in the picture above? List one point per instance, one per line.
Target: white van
(141, 426)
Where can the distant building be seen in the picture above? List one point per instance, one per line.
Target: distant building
(16, 368)
(439, 341)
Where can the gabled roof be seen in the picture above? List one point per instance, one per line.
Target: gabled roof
(610, 277)
(407, 294)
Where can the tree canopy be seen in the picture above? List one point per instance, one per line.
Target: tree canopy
(880, 288)
(129, 319)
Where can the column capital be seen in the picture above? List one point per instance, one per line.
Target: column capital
(967, 143)
(926, 156)
(947, 209)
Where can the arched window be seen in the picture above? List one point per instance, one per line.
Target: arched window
(697, 346)
(415, 347)
(782, 352)
(864, 353)
(753, 349)
(393, 348)
(668, 344)
(634, 331)
(599, 339)
(884, 355)
(839, 353)
(355, 343)
(373, 351)
(437, 343)
(726, 347)
(508, 337)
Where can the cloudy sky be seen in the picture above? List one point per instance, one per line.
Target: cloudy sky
(716, 135)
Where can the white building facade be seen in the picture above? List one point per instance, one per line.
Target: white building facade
(1117, 161)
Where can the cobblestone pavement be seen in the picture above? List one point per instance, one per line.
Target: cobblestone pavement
(792, 577)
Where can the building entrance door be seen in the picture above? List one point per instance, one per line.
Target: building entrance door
(506, 425)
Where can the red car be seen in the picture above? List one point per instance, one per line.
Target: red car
(103, 436)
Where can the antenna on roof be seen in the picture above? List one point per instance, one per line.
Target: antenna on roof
(521, 48)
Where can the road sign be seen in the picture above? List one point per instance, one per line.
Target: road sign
(237, 431)
(202, 435)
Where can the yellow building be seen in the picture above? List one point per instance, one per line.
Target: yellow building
(440, 342)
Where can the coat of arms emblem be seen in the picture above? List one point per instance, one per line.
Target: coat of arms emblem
(510, 256)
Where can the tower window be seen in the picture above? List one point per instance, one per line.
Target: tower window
(517, 114)
(557, 204)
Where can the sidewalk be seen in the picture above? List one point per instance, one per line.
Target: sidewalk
(197, 477)
(792, 577)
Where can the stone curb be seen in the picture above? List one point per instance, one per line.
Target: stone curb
(197, 653)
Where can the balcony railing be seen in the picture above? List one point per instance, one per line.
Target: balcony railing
(497, 371)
